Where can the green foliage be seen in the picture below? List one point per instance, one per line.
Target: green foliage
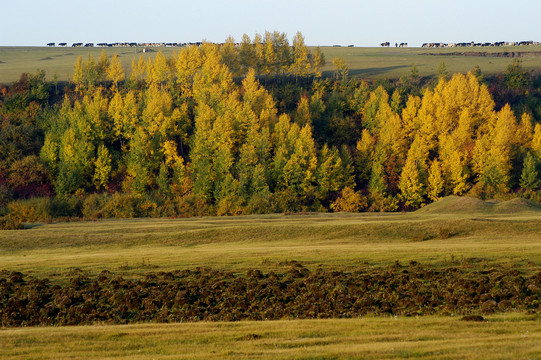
(198, 129)
(529, 178)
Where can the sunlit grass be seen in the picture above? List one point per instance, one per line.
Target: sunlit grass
(133, 247)
(366, 63)
(510, 336)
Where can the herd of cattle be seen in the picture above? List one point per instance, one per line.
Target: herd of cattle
(384, 44)
(470, 44)
(125, 44)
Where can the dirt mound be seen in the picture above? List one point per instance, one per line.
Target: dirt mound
(457, 205)
(516, 205)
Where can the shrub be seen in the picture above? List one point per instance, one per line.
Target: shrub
(349, 201)
(260, 204)
(31, 210)
(229, 205)
(71, 206)
(7, 223)
(286, 201)
(191, 205)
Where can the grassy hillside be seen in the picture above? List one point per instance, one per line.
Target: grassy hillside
(457, 232)
(369, 63)
(131, 247)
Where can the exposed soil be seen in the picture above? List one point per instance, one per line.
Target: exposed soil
(211, 295)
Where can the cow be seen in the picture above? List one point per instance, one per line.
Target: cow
(62, 44)
(385, 44)
(403, 45)
(50, 44)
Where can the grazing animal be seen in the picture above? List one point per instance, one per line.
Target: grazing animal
(50, 44)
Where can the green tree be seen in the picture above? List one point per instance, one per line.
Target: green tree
(529, 179)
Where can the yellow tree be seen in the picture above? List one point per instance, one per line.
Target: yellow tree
(78, 73)
(230, 56)
(259, 50)
(102, 66)
(189, 62)
(115, 71)
(318, 62)
(301, 56)
(247, 56)
(270, 57)
(102, 167)
(138, 69)
(536, 141)
(436, 183)
(411, 187)
(158, 70)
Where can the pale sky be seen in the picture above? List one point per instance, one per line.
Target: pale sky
(344, 22)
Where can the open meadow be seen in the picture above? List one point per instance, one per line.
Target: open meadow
(470, 235)
(366, 63)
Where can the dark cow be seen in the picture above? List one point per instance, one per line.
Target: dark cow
(385, 44)
(50, 44)
(62, 44)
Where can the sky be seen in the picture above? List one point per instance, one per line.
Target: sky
(323, 23)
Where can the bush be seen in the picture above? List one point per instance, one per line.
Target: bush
(286, 201)
(229, 205)
(71, 206)
(349, 201)
(119, 205)
(31, 210)
(7, 223)
(260, 204)
(191, 205)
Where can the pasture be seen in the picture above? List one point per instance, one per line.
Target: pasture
(454, 232)
(504, 336)
(365, 63)
(448, 232)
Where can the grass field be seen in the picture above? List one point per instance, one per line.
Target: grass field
(510, 336)
(133, 247)
(366, 63)
(456, 231)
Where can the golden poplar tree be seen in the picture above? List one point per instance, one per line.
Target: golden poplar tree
(318, 62)
(102, 167)
(411, 187)
(436, 183)
(138, 69)
(301, 56)
(115, 71)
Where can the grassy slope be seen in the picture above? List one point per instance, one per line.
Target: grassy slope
(510, 336)
(134, 247)
(369, 63)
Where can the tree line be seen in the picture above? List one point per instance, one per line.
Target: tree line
(255, 128)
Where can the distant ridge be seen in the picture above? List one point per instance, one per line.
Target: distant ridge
(465, 204)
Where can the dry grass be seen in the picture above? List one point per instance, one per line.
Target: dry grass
(366, 63)
(511, 336)
(133, 247)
